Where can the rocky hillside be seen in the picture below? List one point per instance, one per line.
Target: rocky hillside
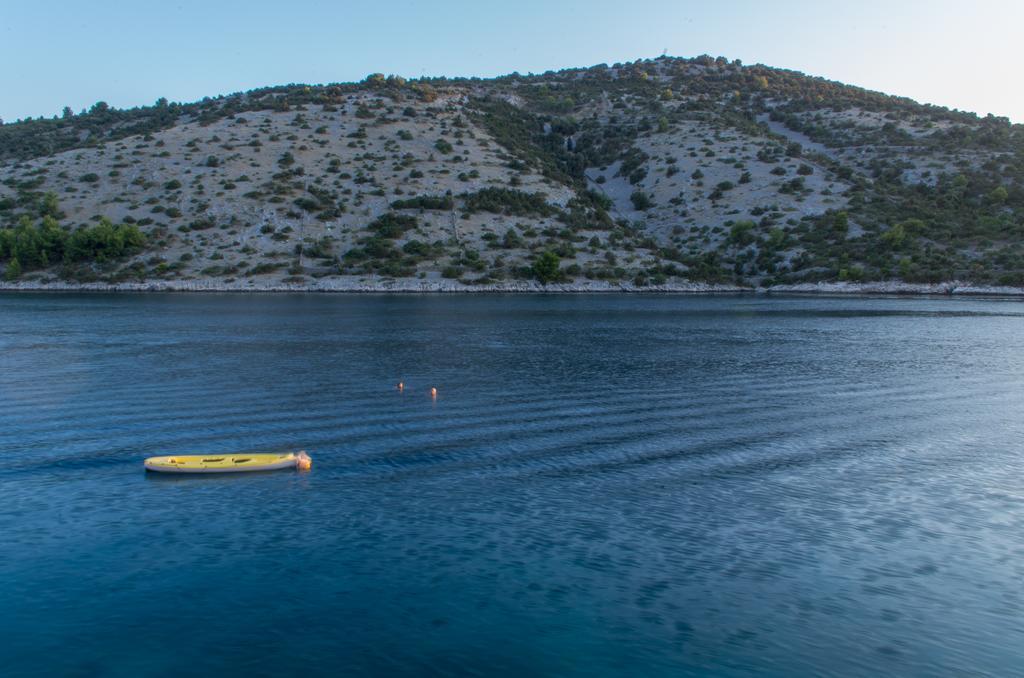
(666, 171)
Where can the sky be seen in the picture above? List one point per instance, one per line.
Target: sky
(955, 53)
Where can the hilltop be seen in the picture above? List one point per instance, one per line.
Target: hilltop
(666, 172)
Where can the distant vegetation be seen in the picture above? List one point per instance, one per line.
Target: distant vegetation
(507, 201)
(573, 184)
(31, 246)
(425, 202)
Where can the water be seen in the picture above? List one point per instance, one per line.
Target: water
(608, 485)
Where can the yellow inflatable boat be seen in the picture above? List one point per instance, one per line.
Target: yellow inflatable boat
(228, 463)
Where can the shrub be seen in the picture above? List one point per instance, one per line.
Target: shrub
(46, 243)
(307, 203)
(741, 234)
(546, 267)
(392, 225)
(13, 270)
(425, 202)
(508, 201)
(321, 249)
(511, 240)
(641, 201)
(264, 268)
(416, 248)
(792, 186)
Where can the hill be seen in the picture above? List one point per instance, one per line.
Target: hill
(659, 172)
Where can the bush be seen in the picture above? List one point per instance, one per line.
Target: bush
(103, 242)
(13, 270)
(321, 249)
(512, 240)
(741, 234)
(308, 204)
(641, 201)
(792, 186)
(546, 267)
(262, 269)
(392, 225)
(46, 243)
(416, 248)
(425, 202)
(508, 201)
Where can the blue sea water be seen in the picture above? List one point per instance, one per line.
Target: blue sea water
(605, 485)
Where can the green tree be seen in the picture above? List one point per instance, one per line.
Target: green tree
(50, 206)
(511, 240)
(641, 201)
(742, 233)
(776, 237)
(546, 267)
(13, 270)
(895, 236)
(841, 223)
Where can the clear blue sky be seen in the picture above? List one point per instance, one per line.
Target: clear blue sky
(960, 53)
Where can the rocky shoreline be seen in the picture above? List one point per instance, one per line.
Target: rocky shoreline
(443, 286)
(895, 287)
(369, 286)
